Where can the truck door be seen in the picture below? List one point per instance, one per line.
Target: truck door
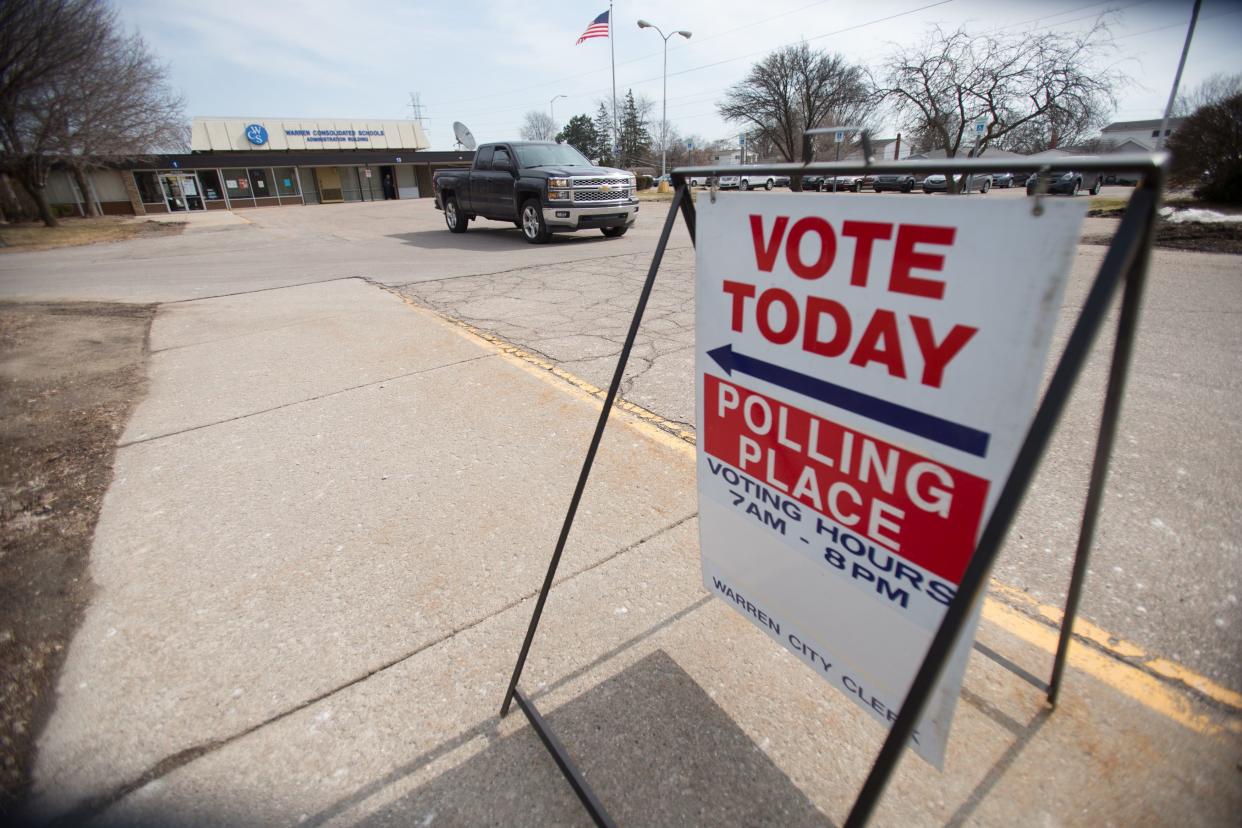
(500, 186)
(480, 182)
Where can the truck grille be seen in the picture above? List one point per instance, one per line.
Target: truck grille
(595, 182)
(615, 194)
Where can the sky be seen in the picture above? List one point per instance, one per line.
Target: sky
(487, 62)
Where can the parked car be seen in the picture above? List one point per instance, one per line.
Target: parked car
(701, 180)
(747, 182)
(897, 182)
(1002, 180)
(1066, 183)
(981, 182)
(539, 186)
(841, 183)
(937, 183)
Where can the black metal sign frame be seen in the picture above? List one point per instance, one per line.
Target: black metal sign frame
(1126, 261)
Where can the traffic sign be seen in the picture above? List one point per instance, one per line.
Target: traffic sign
(840, 135)
(864, 382)
(979, 127)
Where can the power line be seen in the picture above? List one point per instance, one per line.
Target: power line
(647, 56)
(695, 97)
(736, 57)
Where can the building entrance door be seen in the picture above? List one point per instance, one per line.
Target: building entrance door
(181, 192)
(329, 185)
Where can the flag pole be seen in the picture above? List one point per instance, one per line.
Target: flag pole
(616, 132)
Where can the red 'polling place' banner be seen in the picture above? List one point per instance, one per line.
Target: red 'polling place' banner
(923, 510)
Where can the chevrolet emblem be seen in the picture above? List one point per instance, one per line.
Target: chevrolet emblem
(603, 188)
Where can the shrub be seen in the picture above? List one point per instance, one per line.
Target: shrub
(1207, 151)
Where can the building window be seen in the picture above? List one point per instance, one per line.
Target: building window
(236, 184)
(149, 188)
(286, 181)
(261, 183)
(210, 180)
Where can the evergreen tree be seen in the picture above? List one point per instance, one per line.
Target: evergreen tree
(580, 134)
(603, 137)
(635, 139)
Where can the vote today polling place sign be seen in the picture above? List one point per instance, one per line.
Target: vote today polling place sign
(867, 368)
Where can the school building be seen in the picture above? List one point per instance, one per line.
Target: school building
(238, 163)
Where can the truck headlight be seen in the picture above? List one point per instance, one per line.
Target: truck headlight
(558, 182)
(560, 195)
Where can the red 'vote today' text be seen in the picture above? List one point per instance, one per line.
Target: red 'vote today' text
(825, 326)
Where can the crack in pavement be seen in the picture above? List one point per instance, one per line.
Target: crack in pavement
(578, 314)
(303, 401)
(260, 290)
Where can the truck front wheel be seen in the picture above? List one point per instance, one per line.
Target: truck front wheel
(613, 232)
(453, 216)
(534, 230)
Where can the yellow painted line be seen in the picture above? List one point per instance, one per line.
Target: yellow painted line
(1130, 681)
(1113, 667)
(1123, 649)
(660, 427)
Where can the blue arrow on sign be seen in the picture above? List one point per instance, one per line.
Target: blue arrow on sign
(947, 433)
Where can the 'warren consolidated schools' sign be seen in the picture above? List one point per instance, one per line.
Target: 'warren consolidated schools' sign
(867, 367)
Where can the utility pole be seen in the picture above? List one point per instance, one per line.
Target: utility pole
(1177, 79)
(416, 106)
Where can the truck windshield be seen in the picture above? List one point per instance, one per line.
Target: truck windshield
(548, 155)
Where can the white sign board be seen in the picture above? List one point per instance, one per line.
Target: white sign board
(282, 134)
(866, 374)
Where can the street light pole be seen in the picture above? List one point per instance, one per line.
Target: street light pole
(643, 24)
(552, 109)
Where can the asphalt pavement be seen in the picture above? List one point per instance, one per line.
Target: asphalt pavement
(316, 560)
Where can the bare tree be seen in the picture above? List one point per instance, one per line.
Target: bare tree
(1060, 128)
(538, 125)
(1037, 87)
(125, 108)
(73, 84)
(795, 89)
(1213, 90)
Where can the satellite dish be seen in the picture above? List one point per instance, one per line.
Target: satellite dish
(464, 136)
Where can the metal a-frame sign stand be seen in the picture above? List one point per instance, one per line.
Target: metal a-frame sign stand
(1125, 262)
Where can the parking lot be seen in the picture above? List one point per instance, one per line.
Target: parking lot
(575, 315)
(569, 303)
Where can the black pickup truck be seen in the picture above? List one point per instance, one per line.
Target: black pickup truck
(539, 186)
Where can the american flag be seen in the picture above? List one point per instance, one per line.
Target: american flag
(598, 28)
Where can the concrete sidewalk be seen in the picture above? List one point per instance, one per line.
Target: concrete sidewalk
(313, 573)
